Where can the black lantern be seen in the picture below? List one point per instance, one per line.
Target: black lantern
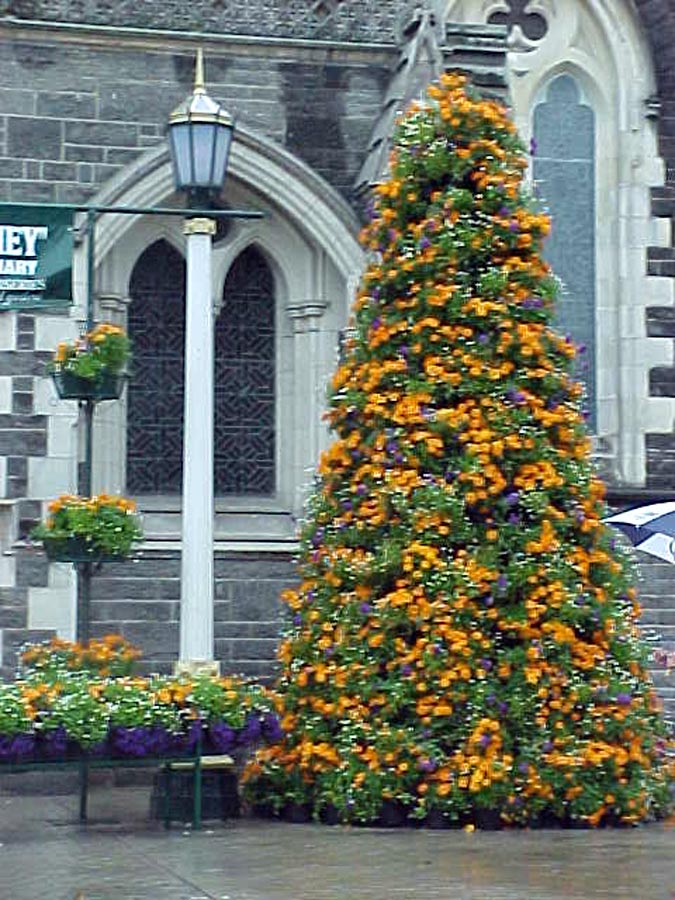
(200, 137)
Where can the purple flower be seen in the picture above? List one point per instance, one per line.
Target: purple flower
(486, 664)
(624, 699)
(297, 619)
(361, 489)
(489, 600)
(347, 504)
(523, 768)
(424, 242)
(271, 728)
(483, 338)
(547, 746)
(512, 498)
(503, 211)
(366, 608)
(16, 747)
(503, 707)
(514, 226)
(406, 669)
(403, 350)
(502, 582)
(427, 765)
(222, 737)
(377, 321)
(515, 396)
(533, 147)
(485, 740)
(251, 732)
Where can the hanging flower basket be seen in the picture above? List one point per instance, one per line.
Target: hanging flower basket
(94, 367)
(76, 549)
(70, 386)
(89, 529)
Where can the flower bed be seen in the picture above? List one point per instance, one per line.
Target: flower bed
(79, 529)
(55, 713)
(109, 655)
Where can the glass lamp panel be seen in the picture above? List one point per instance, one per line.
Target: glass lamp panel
(203, 138)
(179, 136)
(223, 144)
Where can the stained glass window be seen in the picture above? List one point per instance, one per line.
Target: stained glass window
(245, 363)
(564, 174)
(156, 325)
(245, 379)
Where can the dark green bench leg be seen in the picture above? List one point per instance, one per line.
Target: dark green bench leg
(84, 789)
(168, 786)
(197, 794)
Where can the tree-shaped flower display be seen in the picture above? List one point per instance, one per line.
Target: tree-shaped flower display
(463, 641)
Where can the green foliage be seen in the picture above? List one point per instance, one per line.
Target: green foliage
(105, 525)
(105, 350)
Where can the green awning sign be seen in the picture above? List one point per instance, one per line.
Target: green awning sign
(36, 257)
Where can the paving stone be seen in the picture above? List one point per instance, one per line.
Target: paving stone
(123, 855)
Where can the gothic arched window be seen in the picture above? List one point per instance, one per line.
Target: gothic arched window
(564, 173)
(156, 325)
(245, 382)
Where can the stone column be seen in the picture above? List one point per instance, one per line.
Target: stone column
(110, 433)
(309, 392)
(196, 621)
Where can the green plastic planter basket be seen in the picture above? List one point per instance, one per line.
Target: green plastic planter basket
(72, 387)
(76, 549)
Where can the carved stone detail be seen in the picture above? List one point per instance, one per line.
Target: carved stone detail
(357, 21)
(526, 23)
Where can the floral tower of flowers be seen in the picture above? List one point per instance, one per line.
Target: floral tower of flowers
(463, 642)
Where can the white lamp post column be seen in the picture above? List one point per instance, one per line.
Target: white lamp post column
(200, 136)
(196, 631)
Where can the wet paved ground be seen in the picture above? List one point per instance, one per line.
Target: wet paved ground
(120, 855)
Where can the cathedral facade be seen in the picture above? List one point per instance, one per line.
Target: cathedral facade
(86, 88)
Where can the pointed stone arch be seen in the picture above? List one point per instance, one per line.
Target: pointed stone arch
(308, 239)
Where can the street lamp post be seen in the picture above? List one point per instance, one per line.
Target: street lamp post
(200, 136)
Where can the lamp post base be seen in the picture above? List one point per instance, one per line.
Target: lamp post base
(196, 667)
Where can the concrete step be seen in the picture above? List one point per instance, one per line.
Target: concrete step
(653, 616)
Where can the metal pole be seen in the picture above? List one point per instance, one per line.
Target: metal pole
(196, 619)
(91, 266)
(84, 570)
(148, 210)
(84, 574)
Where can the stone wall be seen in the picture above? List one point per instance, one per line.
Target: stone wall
(71, 116)
(141, 600)
(658, 18)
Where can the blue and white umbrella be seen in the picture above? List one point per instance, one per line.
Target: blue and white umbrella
(649, 528)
